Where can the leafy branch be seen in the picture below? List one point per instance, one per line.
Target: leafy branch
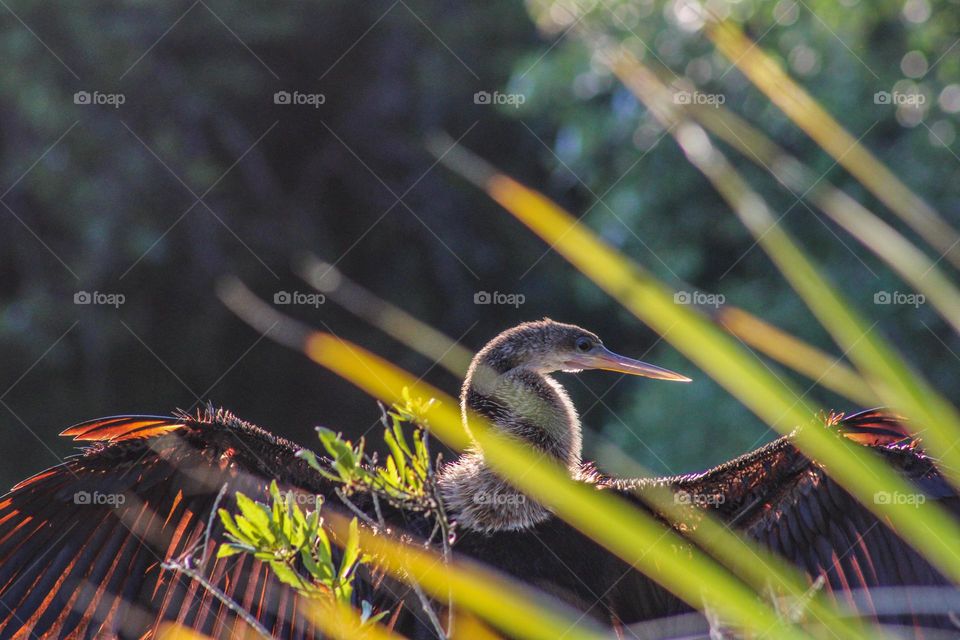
(294, 543)
(292, 540)
(405, 478)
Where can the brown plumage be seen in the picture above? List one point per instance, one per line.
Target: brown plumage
(509, 384)
(73, 565)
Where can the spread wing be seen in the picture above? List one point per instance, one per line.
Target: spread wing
(82, 544)
(789, 503)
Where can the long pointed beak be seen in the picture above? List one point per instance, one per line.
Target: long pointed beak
(602, 358)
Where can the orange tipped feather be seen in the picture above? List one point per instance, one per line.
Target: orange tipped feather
(31, 480)
(120, 428)
(875, 428)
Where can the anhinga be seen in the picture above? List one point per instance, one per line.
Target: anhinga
(82, 544)
(508, 383)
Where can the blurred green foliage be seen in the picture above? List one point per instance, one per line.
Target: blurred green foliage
(104, 199)
(663, 212)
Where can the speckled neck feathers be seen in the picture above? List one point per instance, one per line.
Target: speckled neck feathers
(506, 384)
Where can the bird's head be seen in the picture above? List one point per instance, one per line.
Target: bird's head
(509, 383)
(546, 346)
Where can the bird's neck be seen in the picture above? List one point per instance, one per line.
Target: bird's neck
(524, 405)
(529, 406)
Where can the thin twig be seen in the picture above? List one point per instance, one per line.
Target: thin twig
(376, 508)
(356, 510)
(209, 530)
(182, 565)
(441, 515)
(428, 609)
(226, 600)
(433, 532)
(204, 540)
(445, 538)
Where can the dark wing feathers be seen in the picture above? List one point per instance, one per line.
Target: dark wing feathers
(81, 545)
(790, 504)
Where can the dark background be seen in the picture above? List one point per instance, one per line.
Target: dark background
(105, 199)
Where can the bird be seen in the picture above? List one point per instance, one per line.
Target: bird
(74, 564)
(509, 383)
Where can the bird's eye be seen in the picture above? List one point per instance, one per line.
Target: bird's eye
(584, 344)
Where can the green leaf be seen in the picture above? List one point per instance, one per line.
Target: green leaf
(401, 439)
(367, 616)
(291, 530)
(230, 525)
(300, 519)
(323, 546)
(366, 610)
(286, 574)
(248, 532)
(396, 453)
(275, 492)
(390, 473)
(311, 459)
(351, 551)
(258, 516)
(320, 573)
(344, 592)
(420, 446)
(339, 449)
(313, 520)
